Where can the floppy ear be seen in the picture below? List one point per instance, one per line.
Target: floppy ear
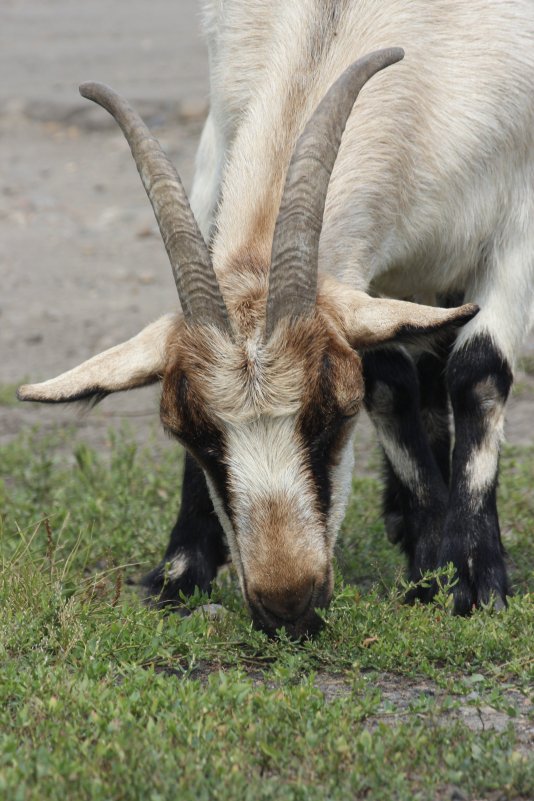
(135, 363)
(371, 322)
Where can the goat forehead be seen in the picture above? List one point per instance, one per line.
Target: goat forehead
(249, 380)
(237, 381)
(243, 379)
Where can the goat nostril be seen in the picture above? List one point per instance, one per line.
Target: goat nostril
(287, 605)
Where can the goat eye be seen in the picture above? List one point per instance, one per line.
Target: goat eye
(351, 410)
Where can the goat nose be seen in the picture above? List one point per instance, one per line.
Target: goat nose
(287, 604)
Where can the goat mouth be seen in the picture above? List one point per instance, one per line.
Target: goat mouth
(305, 626)
(299, 630)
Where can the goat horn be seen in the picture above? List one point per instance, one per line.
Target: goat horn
(294, 256)
(196, 282)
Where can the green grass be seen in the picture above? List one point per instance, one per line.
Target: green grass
(526, 363)
(102, 698)
(8, 394)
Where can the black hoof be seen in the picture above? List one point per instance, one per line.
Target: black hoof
(175, 580)
(481, 578)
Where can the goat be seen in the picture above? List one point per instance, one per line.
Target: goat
(299, 309)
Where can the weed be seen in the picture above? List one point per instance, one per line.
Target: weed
(102, 697)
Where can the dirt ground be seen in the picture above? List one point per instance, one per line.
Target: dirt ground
(81, 262)
(82, 266)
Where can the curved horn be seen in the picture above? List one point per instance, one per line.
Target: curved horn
(294, 256)
(196, 282)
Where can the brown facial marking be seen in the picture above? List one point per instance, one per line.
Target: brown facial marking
(283, 558)
(217, 389)
(289, 578)
(327, 415)
(184, 411)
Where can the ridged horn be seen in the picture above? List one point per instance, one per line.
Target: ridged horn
(196, 282)
(294, 255)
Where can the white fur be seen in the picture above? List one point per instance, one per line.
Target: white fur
(405, 466)
(267, 473)
(432, 188)
(138, 361)
(432, 191)
(483, 463)
(177, 567)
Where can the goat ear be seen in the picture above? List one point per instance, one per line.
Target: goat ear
(135, 363)
(372, 322)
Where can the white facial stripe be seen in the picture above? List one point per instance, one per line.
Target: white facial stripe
(276, 529)
(266, 456)
(266, 465)
(281, 534)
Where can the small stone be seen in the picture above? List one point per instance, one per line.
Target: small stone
(498, 604)
(212, 610)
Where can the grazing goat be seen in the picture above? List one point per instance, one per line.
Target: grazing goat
(297, 286)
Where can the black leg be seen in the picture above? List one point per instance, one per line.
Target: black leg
(415, 497)
(434, 401)
(197, 545)
(479, 380)
(434, 394)
(434, 406)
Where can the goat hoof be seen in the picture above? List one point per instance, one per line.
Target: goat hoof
(468, 597)
(166, 585)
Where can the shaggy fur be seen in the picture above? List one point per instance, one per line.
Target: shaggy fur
(431, 192)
